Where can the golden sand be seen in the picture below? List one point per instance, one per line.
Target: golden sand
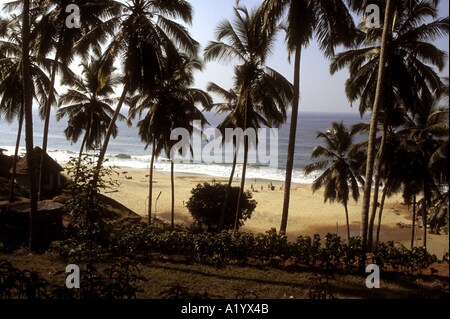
(308, 214)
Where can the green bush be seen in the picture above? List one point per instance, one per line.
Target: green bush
(206, 202)
(87, 236)
(399, 257)
(271, 247)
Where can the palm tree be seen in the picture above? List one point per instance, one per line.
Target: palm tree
(261, 91)
(11, 80)
(404, 49)
(387, 34)
(341, 169)
(145, 38)
(422, 137)
(11, 85)
(52, 35)
(27, 105)
(327, 21)
(390, 119)
(87, 104)
(230, 121)
(438, 126)
(171, 105)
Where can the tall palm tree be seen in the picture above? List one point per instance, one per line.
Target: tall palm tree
(11, 80)
(331, 24)
(230, 121)
(261, 90)
(438, 126)
(341, 168)
(28, 105)
(422, 137)
(52, 35)
(171, 105)
(404, 48)
(234, 121)
(87, 104)
(145, 38)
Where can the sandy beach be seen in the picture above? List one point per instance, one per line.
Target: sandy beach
(308, 213)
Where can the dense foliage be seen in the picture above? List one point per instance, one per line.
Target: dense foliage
(206, 202)
(139, 241)
(87, 230)
(116, 282)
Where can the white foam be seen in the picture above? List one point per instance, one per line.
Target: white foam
(163, 164)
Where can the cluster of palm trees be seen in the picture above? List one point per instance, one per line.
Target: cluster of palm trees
(155, 52)
(410, 151)
(392, 75)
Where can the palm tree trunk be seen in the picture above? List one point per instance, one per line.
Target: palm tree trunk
(373, 132)
(413, 221)
(80, 155)
(424, 222)
(377, 184)
(28, 106)
(101, 156)
(16, 154)
(348, 223)
(150, 186)
(241, 190)
(424, 215)
(292, 137)
(172, 187)
(227, 193)
(47, 111)
(380, 213)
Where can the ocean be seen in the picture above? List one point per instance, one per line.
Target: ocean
(127, 150)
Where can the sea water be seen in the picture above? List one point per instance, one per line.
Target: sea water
(127, 150)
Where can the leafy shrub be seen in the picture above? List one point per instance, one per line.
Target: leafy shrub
(206, 202)
(243, 246)
(87, 236)
(420, 258)
(271, 246)
(15, 283)
(118, 282)
(302, 250)
(399, 257)
(351, 251)
(330, 256)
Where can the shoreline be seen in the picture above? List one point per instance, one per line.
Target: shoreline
(308, 213)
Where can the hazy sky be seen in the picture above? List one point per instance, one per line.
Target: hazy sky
(320, 92)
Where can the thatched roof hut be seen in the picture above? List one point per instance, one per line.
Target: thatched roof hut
(50, 165)
(51, 171)
(6, 162)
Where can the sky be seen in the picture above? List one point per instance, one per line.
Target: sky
(320, 92)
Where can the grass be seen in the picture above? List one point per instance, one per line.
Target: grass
(236, 282)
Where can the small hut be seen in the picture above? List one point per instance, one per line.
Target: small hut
(51, 173)
(6, 162)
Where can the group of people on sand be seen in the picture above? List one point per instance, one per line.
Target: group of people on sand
(270, 187)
